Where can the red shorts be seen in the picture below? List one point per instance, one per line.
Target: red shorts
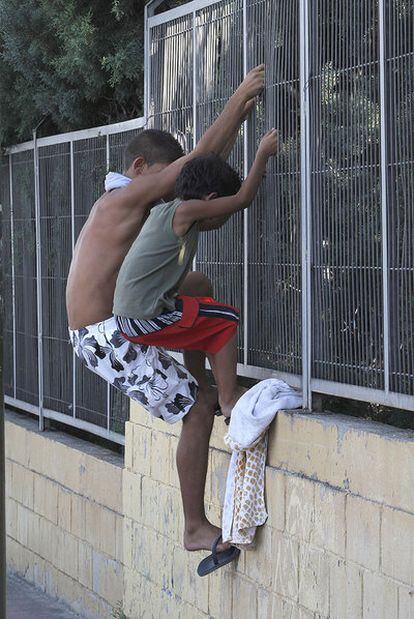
(197, 323)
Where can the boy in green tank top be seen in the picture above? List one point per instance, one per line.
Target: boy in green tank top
(147, 304)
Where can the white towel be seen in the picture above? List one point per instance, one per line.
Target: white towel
(244, 505)
(113, 180)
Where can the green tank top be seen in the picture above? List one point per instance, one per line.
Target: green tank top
(155, 266)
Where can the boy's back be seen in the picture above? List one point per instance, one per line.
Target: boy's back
(155, 266)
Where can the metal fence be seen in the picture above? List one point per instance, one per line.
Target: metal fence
(46, 194)
(322, 265)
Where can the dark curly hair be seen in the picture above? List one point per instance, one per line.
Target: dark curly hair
(206, 174)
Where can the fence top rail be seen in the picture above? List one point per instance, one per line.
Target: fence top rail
(152, 5)
(180, 11)
(82, 134)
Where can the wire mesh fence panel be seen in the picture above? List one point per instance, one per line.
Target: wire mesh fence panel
(274, 238)
(219, 70)
(347, 309)
(399, 17)
(7, 363)
(56, 245)
(25, 277)
(171, 79)
(117, 144)
(119, 403)
(361, 143)
(89, 157)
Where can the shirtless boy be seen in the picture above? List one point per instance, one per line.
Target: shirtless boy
(148, 374)
(147, 305)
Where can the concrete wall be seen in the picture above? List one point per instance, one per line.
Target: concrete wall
(64, 516)
(339, 541)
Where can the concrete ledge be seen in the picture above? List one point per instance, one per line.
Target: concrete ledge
(369, 459)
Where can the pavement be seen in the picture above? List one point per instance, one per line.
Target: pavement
(25, 601)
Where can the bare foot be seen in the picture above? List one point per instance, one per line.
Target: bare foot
(227, 407)
(202, 538)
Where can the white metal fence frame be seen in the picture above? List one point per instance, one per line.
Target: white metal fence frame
(305, 380)
(65, 138)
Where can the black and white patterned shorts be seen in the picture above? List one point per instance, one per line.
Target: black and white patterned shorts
(146, 374)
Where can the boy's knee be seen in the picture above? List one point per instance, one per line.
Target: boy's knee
(196, 284)
(201, 412)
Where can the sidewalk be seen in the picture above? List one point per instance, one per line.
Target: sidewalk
(25, 601)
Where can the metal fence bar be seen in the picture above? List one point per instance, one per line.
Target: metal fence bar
(146, 60)
(194, 81)
(308, 147)
(305, 196)
(194, 98)
(82, 134)
(72, 216)
(364, 394)
(245, 212)
(12, 248)
(108, 385)
(180, 11)
(384, 195)
(38, 279)
(61, 417)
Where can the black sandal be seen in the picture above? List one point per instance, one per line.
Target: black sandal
(217, 559)
(217, 409)
(218, 413)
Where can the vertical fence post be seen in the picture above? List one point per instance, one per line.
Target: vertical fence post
(72, 217)
(384, 194)
(194, 80)
(194, 99)
(108, 385)
(146, 63)
(3, 557)
(245, 212)
(148, 12)
(13, 282)
(38, 279)
(305, 170)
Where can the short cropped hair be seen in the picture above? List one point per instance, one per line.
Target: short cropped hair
(206, 174)
(155, 146)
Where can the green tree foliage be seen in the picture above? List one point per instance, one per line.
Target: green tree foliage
(79, 62)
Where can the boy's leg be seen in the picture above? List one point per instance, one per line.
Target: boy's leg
(224, 366)
(192, 462)
(198, 285)
(223, 363)
(192, 450)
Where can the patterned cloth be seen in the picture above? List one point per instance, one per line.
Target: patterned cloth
(244, 504)
(144, 373)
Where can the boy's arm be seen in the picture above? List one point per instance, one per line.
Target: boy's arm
(227, 125)
(145, 190)
(213, 223)
(225, 152)
(191, 211)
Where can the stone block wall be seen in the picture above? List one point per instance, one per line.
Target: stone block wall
(64, 516)
(339, 542)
